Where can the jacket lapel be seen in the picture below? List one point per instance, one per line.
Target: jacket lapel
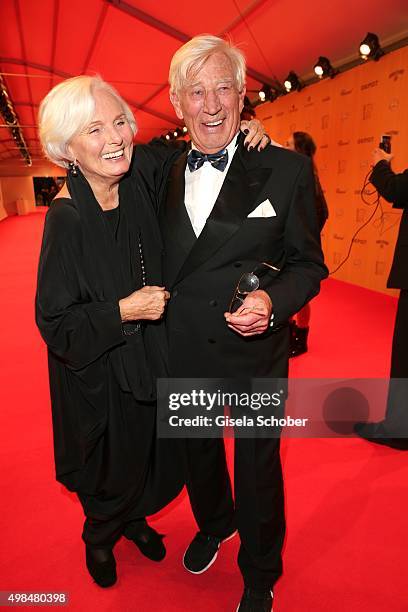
(238, 197)
(174, 220)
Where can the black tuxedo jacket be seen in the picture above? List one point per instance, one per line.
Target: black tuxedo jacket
(394, 188)
(202, 273)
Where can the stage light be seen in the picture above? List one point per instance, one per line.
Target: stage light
(185, 130)
(178, 132)
(292, 82)
(10, 118)
(324, 68)
(264, 92)
(370, 47)
(169, 136)
(267, 93)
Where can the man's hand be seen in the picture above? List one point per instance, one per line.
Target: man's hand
(256, 134)
(252, 318)
(380, 155)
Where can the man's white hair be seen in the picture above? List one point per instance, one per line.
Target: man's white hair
(190, 58)
(67, 109)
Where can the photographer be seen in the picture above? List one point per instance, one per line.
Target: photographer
(393, 430)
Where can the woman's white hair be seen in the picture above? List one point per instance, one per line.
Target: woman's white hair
(67, 109)
(190, 58)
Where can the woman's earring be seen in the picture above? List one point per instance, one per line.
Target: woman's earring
(73, 168)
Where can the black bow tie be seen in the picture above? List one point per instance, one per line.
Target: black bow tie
(196, 159)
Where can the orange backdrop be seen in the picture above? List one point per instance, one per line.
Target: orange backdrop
(346, 117)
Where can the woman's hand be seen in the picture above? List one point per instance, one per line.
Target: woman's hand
(147, 303)
(256, 134)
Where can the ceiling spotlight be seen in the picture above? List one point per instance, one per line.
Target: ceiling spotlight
(185, 130)
(267, 93)
(370, 47)
(292, 82)
(169, 136)
(264, 92)
(324, 68)
(9, 116)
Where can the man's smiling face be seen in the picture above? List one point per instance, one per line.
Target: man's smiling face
(211, 104)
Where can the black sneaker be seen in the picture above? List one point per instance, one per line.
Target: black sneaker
(148, 541)
(254, 600)
(202, 552)
(101, 565)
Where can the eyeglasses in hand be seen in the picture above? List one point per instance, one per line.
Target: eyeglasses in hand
(248, 283)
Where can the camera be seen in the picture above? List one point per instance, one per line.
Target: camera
(385, 143)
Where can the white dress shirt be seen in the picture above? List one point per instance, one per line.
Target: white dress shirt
(202, 189)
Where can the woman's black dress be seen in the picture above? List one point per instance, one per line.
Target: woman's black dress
(102, 374)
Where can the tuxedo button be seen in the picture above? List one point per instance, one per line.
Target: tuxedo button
(174, 293)
(238, 264)
(211, 341)
(213, 303)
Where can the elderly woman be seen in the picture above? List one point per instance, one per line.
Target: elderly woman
(98, 306)
(98, 284)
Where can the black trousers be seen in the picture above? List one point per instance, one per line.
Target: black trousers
(259, 501)
(396, 418)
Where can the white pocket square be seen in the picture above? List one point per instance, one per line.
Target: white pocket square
(263, 210)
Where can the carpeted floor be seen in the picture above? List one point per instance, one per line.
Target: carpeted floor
(346, 500)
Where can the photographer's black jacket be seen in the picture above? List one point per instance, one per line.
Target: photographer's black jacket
(394, 188)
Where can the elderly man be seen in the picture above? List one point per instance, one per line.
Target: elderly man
(228, 210)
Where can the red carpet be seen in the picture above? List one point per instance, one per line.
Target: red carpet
(346, 500)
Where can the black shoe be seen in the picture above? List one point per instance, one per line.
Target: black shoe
(202, 552)
(101, 565)
(374, 432)
(254, 600)
(148, 541)
(298, 340)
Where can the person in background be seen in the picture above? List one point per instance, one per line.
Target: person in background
(393, 430)
(303, 143)
(248, 111)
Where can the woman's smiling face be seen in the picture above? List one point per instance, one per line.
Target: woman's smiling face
(103, 149)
